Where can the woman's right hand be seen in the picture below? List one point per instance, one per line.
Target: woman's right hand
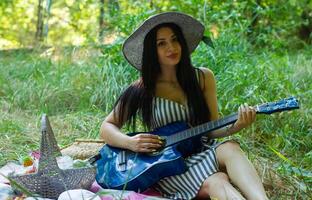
(144, 143)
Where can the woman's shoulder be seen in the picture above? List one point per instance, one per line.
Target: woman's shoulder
(205, 76)
(205, 71)
(136, 87)
(133, 91)
(136, 83)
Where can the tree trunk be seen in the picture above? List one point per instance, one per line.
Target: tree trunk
(39, 30)
(101, 21)
(305, 30)
(151, 4)
(46, 19)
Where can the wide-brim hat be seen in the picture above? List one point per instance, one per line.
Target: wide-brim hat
(192, 30)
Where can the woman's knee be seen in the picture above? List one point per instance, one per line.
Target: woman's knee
(229, 146)
(213, 185)
(215, 182)
(227, 150)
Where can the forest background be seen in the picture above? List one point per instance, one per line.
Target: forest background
(63, 58)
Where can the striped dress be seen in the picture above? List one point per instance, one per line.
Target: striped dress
(200, 165)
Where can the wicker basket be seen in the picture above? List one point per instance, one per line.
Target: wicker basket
(83, 149)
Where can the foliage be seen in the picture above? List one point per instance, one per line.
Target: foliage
(70, 22)
(78, 85)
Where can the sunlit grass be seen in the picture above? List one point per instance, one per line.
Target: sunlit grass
(77, 88)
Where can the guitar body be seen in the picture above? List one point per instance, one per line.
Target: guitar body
(124, 169)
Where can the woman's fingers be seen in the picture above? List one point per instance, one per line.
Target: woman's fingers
(253, 114)
(245, 113)
(150, 145)
(147, 150)
(148, 140)
(242, 115)
(147, 135)
(246, 116)
(248, 112)
(145, 142)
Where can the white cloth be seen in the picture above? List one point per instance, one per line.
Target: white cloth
(78, 194)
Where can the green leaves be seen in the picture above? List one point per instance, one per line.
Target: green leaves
(70, 22)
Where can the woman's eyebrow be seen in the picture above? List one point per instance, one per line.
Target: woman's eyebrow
(172, 36)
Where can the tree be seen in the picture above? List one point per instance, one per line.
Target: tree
(39, 29)
(101, 21)
(42, 20)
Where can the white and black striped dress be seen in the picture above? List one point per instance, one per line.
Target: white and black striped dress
(200, 166)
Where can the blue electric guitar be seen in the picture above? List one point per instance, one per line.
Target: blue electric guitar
(124, 169)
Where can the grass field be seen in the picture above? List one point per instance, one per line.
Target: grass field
(77, 86)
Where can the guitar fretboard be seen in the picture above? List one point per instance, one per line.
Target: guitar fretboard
(201, 129)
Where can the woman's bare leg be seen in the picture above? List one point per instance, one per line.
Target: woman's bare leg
(240, 171)
(218, 186)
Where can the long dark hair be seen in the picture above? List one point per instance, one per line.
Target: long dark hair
(138, 97)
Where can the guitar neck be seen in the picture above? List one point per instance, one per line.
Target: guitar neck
(267, 108)
(201, 129)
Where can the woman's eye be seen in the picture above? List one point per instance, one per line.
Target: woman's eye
(161, 43)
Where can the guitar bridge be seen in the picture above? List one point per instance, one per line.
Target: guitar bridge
(122, 161)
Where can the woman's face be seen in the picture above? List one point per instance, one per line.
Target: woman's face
(168, 47)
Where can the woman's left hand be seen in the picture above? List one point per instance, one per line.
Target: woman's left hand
(246, 116)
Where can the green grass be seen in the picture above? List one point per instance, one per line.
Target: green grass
(77, 86)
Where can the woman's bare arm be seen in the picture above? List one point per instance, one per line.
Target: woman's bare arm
(110, 132)
(246, 114)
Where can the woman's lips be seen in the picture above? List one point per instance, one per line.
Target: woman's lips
(173, 56)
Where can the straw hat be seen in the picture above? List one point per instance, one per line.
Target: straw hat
(191, 28)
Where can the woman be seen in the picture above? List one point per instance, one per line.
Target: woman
(171, 89)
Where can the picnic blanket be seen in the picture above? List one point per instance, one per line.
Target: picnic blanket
(65, 162)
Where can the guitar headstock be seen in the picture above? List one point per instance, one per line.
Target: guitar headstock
(278, 106)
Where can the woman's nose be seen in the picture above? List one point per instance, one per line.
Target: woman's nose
(171, 46)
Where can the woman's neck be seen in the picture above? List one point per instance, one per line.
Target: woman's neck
(168, 74)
